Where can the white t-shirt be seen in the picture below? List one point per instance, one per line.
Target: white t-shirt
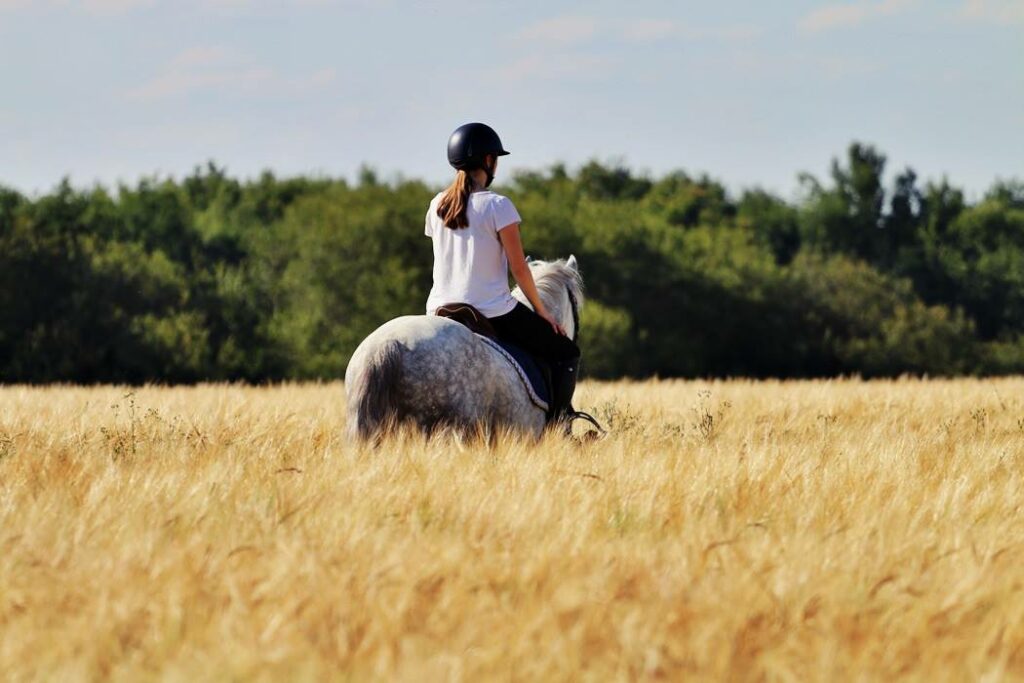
(470, 265)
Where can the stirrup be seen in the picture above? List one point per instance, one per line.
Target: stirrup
(572, 415)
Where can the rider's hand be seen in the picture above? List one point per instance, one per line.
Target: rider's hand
(554, 323)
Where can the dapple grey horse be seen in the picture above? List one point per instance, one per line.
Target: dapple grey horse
(434, 372)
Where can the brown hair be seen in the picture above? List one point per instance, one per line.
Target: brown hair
(455, 200)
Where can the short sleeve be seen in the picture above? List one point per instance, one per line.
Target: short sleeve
(505, 213)
(428, 229)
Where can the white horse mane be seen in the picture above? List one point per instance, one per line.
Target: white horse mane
(554, 279)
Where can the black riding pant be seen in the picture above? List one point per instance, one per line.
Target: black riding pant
(527, 330)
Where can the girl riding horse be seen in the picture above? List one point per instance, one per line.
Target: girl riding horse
(476, 242)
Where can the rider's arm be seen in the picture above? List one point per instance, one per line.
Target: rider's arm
(513, 245)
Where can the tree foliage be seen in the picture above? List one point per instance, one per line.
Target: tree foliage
(211, 277)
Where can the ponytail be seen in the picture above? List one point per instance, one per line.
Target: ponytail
(452, 207)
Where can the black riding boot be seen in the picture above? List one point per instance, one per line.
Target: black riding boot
(563, 386)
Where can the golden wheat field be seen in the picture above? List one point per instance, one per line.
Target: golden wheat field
(726, 530)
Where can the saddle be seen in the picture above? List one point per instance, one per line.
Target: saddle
(535, 372)
(470, 317)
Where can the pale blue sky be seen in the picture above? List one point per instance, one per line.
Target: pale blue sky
(751, 92)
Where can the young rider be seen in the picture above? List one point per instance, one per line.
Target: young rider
(475, 233)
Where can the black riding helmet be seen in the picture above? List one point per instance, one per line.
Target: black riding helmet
(469, 146)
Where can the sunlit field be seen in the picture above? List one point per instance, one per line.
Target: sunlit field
(734, 530)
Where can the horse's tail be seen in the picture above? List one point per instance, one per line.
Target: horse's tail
(372, 392)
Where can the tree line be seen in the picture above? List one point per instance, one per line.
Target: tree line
(213, 278)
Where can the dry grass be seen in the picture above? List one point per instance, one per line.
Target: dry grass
(736, 530)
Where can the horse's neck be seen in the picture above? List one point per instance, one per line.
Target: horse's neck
(558, 305)
(560, 309)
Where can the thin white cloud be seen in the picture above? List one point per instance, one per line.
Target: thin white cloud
(557, 67)
(649, 30)
(835, 16)
(751, 62)
(118, 7)
(841, 68)
(220, 68)
(567, 30)
(851, 14)
(317, 80)
(206, 56)
(113, 6)
(101, 7)
(564, 46)
(739, 32)
(1003, 12)
(656, 30)
(244, 6)
(180, 83)
(575, 30)
(201, 68)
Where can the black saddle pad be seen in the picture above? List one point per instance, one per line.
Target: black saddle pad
(537, 371)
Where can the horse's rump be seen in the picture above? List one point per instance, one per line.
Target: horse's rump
(433, 372)
(373, 389)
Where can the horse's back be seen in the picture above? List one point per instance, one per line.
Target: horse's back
(413, 333)
(431, 370)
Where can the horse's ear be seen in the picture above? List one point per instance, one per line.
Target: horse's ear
(529, 258)
(572, 263)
